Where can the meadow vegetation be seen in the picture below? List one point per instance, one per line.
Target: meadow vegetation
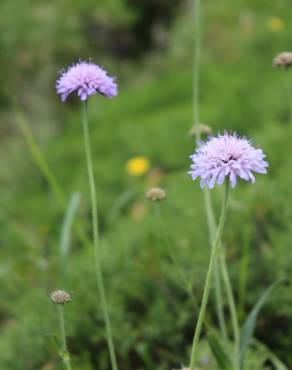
(152, 315)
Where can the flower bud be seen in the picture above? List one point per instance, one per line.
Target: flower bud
(283, 60)
(156, 194)
(60, 297)
(200, 129)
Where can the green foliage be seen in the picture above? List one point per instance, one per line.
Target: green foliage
(250, 323)
(153, 318)
(66, 236)
(219, 353)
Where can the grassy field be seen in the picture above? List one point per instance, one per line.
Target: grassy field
(43, 165)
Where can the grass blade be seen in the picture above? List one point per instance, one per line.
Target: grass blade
(65, 235)
(38, 157)
(219, 353)
(277, 363)
(250, 323)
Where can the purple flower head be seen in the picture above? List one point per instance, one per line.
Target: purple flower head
(86, 78)
(226, 156)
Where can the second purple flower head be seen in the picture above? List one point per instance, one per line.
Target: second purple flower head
(85, 79)
(226, 156)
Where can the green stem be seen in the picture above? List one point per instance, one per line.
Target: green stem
(227, 284)
(243, 274)
(232, 307)
(39, 158)
(197, 56)
(207, 201)
(289, 94)
(218, 291)
(64, 352)
(219, 302)
(206, 292)
(44, 167)
(187, 285)
(98, 268)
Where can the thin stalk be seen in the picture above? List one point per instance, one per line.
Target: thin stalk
(184, 279)
(97, 261)
(289, 94)
(217, 279)
(207, 287)
(196, 67)
(64, 246)
(188, 285)
(48, 173)
(226, 281)
(207, 200)
(64, 352)
(243, 275)
(39, 158)
(232, 307)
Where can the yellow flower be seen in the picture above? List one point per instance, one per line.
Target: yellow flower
(137, 166)
(275, 24)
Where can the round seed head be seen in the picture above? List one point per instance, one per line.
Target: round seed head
(156, 194)
(283, 60)
(60, 297)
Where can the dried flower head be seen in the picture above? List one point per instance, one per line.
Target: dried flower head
(156, 194)
(200, 129)
(85, 78)
(226, 156)
(283, 60)
(137, 166)
(60, 297)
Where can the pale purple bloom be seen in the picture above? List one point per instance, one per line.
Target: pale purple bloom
(86, 78)
(226, 156)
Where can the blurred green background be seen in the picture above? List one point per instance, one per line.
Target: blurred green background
(148, 45)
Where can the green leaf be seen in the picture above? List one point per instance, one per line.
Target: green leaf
(219, 353)
(54, 342)
(119, 205)
(278, 364)
(66, 233)
(250, 323)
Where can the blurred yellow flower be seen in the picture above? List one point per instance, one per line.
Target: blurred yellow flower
(275, 24)
(137, 166)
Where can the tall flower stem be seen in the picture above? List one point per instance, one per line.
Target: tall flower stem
(64, 352)
(206, 292)
(227, 284)
(98, 268)
(232, 307)
(218, 290)
(207, 200)
(187, 286)
(289, 94)
(196, 68)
